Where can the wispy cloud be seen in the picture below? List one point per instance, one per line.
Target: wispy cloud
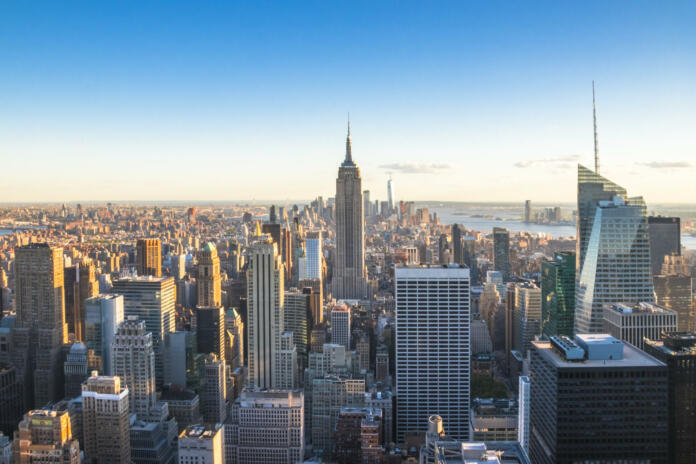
(415, 168)
(557, 162)
(666, 164)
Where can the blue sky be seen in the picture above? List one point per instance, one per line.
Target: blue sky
(468, 101)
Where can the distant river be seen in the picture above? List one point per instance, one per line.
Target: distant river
(449, 215)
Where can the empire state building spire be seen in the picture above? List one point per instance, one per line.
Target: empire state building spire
(349, 149)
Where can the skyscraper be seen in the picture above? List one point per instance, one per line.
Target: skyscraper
(45, 436)
(296, 320)
(40, 330)
(501, 254)
(673, 289)
(528, 211)
(340, 325)
(616, 265)
(153, 300)
(75, 370)
(265, 301)
(214, 390)
(390, 194)
(592, 188)
(665, 240)
(210, 330)
(202, 444)
(329, 394)
(133, 358)
(314, 255)
(86, 286)
(149, 257)
(596, 399)
(433, 313)
(349, 278)
(527, 317)
(106, 421)
(208, 280)
(634, 322)
(103, 314)
(234, 330)
(457, 244)
(558, 294)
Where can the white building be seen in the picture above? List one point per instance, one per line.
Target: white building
(432, 348)
(265, 300)
(313, 255)
(103, 314)
(202, 444)
(266, 427)
(523, 414)
(287, 360)
(632, 322)
(340, 325)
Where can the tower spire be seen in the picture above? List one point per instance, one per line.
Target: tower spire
(349, 148)
(594, 119)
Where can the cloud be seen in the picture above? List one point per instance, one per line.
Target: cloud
(415, 168)
(665, 164)
(558, 162)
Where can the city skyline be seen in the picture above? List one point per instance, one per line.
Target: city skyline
(170, 106)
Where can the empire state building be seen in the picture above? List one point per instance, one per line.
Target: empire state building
(349, 272)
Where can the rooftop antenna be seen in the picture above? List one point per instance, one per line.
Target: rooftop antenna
(594, 118)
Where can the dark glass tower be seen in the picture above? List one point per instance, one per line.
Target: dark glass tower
(501, 251)
(665, 240)
(558, 295)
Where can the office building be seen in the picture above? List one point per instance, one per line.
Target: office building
(180, 352)
(358, 435)
(85, 286)
(384, 401)
(678, 352)
(340, 325)
(234, 331)
(40, 330)
(634, 322)
(390, 195)
(596, 399)
(45, 436)
(469, 258)
(382, 365)
(266, 427)
(265, 301)
(457, 244)
(527, 316)
(287, 361)
(148, 254)
(617, 263)
(178, 266)
(501, 253)
(432, 311)
(558, 295)
(528, 211)
(153, 300)
(592, 188)
(296, 314)
(106, 421)
(214, 391)
(133, 358)
(674, 290)
(314, 255)
(362, 349)
(103, 314)
(202, 444)
(665, 240)
(329, 394)
(75, 370)
(151, 442)
(210, 330)
(349, 274)
(523, 414)
(11, 399)
(208, 280)
(493, 420)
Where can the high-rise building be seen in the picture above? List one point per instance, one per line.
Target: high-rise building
(210, 330)
(103, 314)
(384, 401)
(596, 399)
(11, 399)
(523, 414)
(457, 244)
(527, 316)
(358, 435)
(501, 255)
(208, 280)
(40, 330)
(45, 436)
(665, 240)
(296, 315)
(469, 258)
(367, 205)
(340, 325)
(592, 188)
(673, 290)
(133, 359)
(184, 405)
(390, 195)
(265, 301)
(234, 331)
(287, 362)
(678, 351)
(432, 311)
(202, 444)
(329, 394)
(151, 442)
(214, 391)
(180, 352)
(148, 256)
(106, 421)
(75, 370)
(349, 276)
(266, 427)
(493, 420)
(314, 255)
(83, 284)
(528, 211)
(153, 300)
(558, 294)
(617, 263)
(178, 266)
(634, 322)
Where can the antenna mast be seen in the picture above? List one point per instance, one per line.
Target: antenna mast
(594, 118)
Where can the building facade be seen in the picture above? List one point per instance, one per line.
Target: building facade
(103, 314)
(633, 322)
(558, 295)
(148, 255)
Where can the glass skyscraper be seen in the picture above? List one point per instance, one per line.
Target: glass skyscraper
(558, 295)
(501, 251)
(617, 262)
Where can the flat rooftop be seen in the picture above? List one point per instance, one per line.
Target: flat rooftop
(632, 356)
(432, 272)
(638, 308)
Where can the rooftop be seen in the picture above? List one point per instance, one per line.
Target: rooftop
(632, 356)
(200, 431)
(638, 308)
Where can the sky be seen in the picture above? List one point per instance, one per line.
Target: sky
(457, 101)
